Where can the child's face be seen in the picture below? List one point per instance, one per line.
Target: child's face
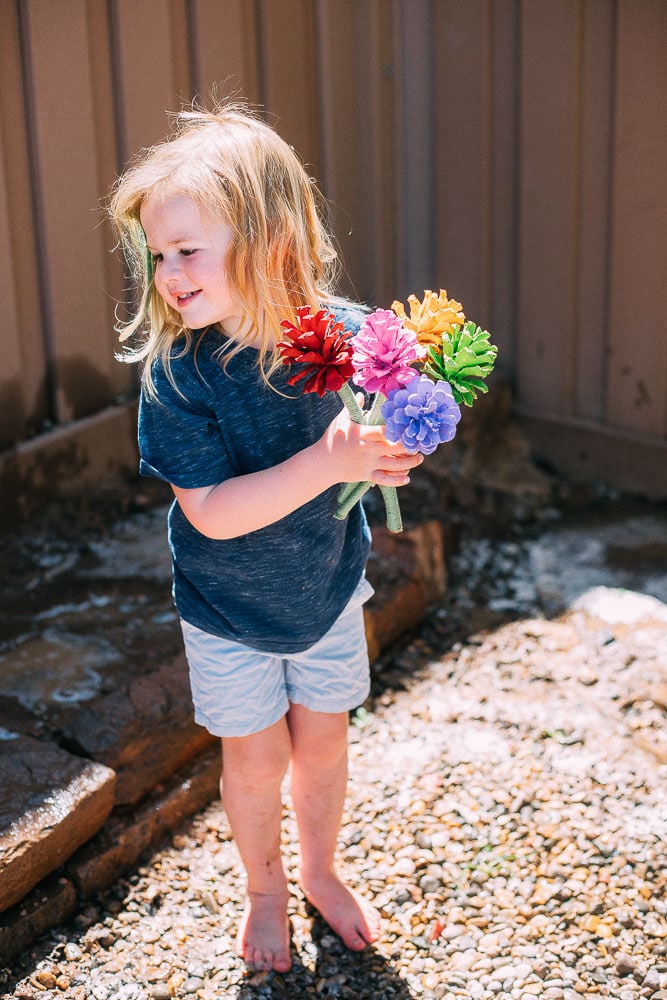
(189, 248)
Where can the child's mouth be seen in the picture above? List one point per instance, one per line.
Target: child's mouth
(186, 297)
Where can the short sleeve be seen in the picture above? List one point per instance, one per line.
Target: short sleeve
(179, 436)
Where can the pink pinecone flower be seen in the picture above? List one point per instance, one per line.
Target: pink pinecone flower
(383, 353)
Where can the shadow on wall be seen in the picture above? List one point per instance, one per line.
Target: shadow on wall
(74, 384)
(13, 420)
(97, 448)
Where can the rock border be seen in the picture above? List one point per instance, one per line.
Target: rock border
(134, 765)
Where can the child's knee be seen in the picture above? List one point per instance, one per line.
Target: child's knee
(318, 739)
(251, 776)
(256, 762)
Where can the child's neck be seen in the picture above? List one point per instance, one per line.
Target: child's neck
(242, 335)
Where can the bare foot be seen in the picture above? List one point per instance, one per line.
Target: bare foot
(264, 935)
(351, 916)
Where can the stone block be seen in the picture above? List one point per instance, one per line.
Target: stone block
(50, 804)
(51, 903)
(145, 731)
(127, 835)
(408, 573)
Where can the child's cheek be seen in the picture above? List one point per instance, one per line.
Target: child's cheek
(160, 288)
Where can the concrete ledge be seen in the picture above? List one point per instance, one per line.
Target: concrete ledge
(584, 451)
(82, 455)
(111, 852)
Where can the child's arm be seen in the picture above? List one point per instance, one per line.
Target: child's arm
(346, 453)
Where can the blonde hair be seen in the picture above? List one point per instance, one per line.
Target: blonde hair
(234, 165)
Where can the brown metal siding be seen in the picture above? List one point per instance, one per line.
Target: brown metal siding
(511, 151)
(637, 383)
(23, 405)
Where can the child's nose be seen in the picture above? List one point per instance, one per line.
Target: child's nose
(171, 269)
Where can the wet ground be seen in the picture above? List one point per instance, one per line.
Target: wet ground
(85, 599)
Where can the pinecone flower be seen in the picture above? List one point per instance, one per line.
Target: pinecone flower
(463, 358)
(421, 416)
(322, 346)
(430, 318)
(383, 353)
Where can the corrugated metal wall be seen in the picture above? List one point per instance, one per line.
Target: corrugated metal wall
(512, 151)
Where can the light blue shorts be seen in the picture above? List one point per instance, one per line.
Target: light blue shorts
(238, 690)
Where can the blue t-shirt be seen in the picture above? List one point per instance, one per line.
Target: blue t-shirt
(280, 588)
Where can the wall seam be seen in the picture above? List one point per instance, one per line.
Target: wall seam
(570, 401)
(604, 389)
(37, 205)
(515, 292)
(117, 92)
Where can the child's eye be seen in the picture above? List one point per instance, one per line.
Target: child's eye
(188, 253)
(156, 258)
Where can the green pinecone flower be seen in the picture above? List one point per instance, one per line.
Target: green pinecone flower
(464, 359)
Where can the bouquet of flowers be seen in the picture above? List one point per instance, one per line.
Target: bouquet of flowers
(418, 368)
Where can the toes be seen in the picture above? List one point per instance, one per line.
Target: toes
(263, 936)
(265, 961)
(282, 963)
(257, 960)
(354, 941)
(353, 918)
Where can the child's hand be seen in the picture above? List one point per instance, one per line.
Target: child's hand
(346, 453)
(361, 453)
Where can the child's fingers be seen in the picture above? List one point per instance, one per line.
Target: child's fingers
(361, 453)
(376, 436)
(382, 477)
(394, 470)
(401, 463)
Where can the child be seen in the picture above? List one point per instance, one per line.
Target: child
(221, 224)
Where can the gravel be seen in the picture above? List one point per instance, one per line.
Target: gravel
(507, 812)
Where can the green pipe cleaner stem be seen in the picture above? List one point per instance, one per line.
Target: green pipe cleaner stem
(394, 520)
(348, 496)
(346, 393)
(375, 414)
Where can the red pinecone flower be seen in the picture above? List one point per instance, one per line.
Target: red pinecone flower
(322, 346)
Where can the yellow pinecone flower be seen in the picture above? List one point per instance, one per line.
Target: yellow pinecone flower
(430, 318)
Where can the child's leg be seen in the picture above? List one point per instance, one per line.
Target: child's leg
(253, 768)
(319, 780)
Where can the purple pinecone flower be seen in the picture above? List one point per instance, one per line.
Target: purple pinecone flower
(422, 415)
